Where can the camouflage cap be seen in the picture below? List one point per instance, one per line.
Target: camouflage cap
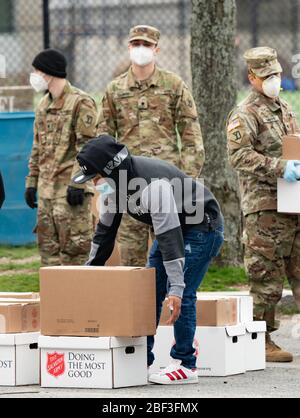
(262, 61)
(144, 33)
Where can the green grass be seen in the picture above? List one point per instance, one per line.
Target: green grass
(34, 265)
(20, 283)
(17, 253)
(224, 279)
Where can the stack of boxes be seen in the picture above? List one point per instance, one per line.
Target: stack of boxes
(227, 341)
(19, 332)
(94, 322)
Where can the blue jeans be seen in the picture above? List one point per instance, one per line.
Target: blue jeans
(200, 249)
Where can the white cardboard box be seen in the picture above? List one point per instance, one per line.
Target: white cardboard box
(220, 350)
(288, 196)
(93, 362)
(255, 349)
(19, 359)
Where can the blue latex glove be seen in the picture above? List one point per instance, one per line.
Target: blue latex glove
(292, 172)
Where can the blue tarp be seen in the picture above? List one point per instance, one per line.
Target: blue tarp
(17, 220)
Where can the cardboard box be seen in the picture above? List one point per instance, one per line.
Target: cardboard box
(19, 359)
(18, 295)
(220, 351)
(255, 346)
(97, 301)
(288, 197)
(244, 303)
(291, 147)
(88, 362)
(17, 317)
(288, 194)
(210, 312)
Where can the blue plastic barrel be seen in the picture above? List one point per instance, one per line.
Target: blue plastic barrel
(17, 220)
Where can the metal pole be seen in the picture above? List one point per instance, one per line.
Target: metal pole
(46, 25)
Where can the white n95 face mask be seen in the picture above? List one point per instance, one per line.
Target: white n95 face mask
(141, 55)
(271, 86)
(38, 82)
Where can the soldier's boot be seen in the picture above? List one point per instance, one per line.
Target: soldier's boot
(275, 354)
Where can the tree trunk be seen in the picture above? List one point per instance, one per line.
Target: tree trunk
(213, 71)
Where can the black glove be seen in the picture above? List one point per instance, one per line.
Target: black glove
(30, 197)
(75, 196)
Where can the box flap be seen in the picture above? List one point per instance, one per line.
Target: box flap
(256, 326)
(236, 330)
(7, 339)
(26, 338)
(74, 342)
(19, 295)
(127, 341)
(19, 301)
(97, 268)
(96, 343)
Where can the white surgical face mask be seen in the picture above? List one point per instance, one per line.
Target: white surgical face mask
(141, 55)
(271, 86)
(38, 82)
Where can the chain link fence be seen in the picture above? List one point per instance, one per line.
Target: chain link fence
(93, 35)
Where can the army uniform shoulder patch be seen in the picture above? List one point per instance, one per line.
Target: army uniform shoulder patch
(233, 124)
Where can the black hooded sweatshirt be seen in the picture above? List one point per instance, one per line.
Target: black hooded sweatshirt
(2, 193)
(165, 198)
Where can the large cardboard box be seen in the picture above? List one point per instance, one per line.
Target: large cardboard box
(97, 301)
(210, 312)
(88, 362)
(255, 349)
(19, 359)
(220, 351)
(17, 315)
(288, 194)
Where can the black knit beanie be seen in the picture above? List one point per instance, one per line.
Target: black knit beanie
(51, 62)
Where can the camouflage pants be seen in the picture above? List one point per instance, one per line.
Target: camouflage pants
(272, 252)
(64, 232)
(133, 242)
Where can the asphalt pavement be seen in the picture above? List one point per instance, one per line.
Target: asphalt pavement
(277, 381)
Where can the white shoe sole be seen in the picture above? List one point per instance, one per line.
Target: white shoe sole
(174, 382)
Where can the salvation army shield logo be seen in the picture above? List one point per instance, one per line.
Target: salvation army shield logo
(56, 364)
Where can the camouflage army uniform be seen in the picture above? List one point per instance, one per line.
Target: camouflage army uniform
(148, 116)
(62, 126)
(272, 240)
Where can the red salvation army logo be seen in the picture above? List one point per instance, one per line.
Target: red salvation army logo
(56, 364)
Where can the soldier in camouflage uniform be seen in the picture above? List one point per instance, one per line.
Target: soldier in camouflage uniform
(146, 108)
(272, 240)
(66, 119)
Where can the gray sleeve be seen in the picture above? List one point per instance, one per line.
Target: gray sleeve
(158, 199)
